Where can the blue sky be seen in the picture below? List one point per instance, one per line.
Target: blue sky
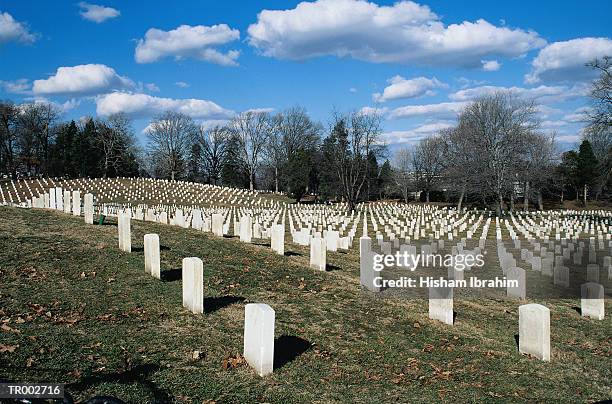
(416, 64)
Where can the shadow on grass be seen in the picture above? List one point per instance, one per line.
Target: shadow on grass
(171, 275)
(578, 310)
(212, 304)
(263, 244)
(516, 341)
(330, 267)
(138, 374)
(287, 348)
(292, 253)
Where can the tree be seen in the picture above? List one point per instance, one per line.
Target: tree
(353, 137)
(37, 123)
(459, 161)
(171, 135)
(384, 179)
(586, 168)
(194, 172)
(64, 157)
(250, 131)
(233, 174)
(298, 173)
(402, 171)
(114, 139)
(536, 166)
(600, 117)
(213, 143)
(495, 126)
(8, 138)
(427, 162)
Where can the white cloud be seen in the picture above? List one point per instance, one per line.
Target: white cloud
(401, 88)
(181, 84)
(490, 65)
(565, 61)
(11, 30)
(20, 86)
(96, 13)
(63, 107)
(416, 134)
(144, 105)
(580, 115)
(188, 41)
(152, 87)
(544, 94)
(405, 32)
(260, 110)
(441, 110)
(82, 80)
(352, 90)
(373, 111)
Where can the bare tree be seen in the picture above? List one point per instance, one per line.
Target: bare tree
(354, 136)
(292, 130)
(251, 131)
(213, 142)
(536, 166)
(402, 171)
(496, 126)
(8, 138)
(170, 137)
(427, 159)
(600, 117)
(37, 125)
(114, 136)
(459, 161)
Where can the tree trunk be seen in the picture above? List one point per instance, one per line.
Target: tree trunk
(427, 196)
(561, 195)
(461, 196)
(172, 175)
(540, 201)
(584, 200)
(500, 203)
(512, 200)
(251, 181)
(276, 179)
(526, 197)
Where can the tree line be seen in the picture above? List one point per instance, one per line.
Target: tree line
(496, 155)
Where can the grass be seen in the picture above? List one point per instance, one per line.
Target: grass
(76, 310)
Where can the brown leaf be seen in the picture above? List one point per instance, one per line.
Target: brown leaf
(232, 362)
(8, 348)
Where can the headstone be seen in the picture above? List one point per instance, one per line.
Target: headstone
(278, 239)
(561, 276)
(246, 229)
(88, 209)
(366, 265)
(152, 256)
(592, 300)
(76, 203)
(441, 304)
(193, 284)
(67, 207)
(516, 274)
(259, 337)
(125, 233)
(534, 330)
(592, 274)
(318, 253)
(217, 224)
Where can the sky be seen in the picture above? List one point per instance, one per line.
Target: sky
(415, 64)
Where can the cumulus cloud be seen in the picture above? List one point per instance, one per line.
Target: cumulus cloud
(405, 32)
(565, 61)
(544, 94)
(400, 88)
(414, 135)
(181, 84)
(96, 13)
(440, 110)
(20, 86)
(62, 107)
(12, 30)
(188, 41)
(490, 65)
(82, 80)
(152, 87)
(144, 105)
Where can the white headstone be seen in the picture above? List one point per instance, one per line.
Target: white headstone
(152, 256)
(592, 300)
(193, 284)
(441, 304)
(318, 253)
(259, 337)
(534, 330)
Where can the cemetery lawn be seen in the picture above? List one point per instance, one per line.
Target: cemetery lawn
(76, 310)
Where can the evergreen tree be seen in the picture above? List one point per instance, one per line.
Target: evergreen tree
(297, 171)
(385, 178)
(586, 168)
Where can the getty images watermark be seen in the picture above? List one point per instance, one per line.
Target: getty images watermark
(459, 263)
